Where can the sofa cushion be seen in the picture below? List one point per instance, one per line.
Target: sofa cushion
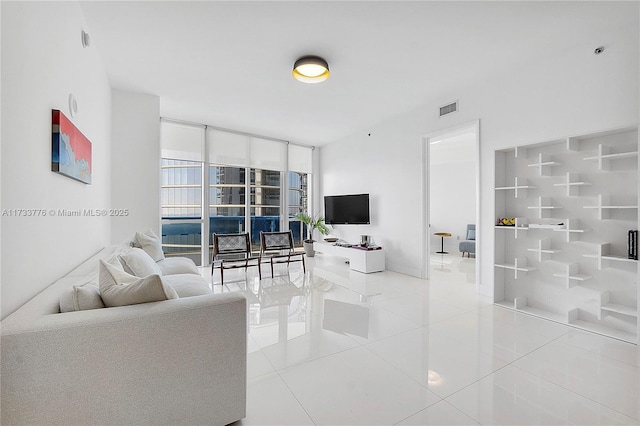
(81, 297)
(471, 234)
(119, 288)
(187, 285)
(150, 243)
(137, 262)
(178, 265)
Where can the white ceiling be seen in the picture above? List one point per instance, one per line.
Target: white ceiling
(228, 64)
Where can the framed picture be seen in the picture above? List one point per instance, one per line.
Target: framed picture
(70, 149)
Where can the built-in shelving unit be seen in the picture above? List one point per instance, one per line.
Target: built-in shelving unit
(521, 225)
(571, 274)
(604, 156)
(571, 230)
(544, 249)
(519, 187)
(574, 200)
(544, 164)
(603, 255)
(544, 206)
(573, 183)
(604, 206)
(519, 265)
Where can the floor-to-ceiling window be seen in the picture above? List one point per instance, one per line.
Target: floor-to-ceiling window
(265, 187)
(181, 191)
(254, 184)
(227, 200)
(298, 202)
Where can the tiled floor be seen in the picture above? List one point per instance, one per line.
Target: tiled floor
(337, 347)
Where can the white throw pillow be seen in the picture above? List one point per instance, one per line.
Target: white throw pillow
(137, 262)
(80, 298)
(119, 288)
(150, 243)
(178, 265)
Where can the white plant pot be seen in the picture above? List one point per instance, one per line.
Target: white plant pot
(308, 249)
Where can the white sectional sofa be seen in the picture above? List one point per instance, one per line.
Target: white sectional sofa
(178, 361)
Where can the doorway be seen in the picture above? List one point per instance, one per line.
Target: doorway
(451, 175)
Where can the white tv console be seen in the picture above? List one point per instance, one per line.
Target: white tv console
(365, 261)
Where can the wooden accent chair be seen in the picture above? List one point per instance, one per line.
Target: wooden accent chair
(231, 251)
(277, 247)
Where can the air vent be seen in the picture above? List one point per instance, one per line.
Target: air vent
(448, 109)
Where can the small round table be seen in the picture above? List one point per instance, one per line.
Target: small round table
(442, 235)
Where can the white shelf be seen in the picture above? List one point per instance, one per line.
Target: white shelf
(544, 205)
(572, 183)
(604, 206)
(519, 187)
(571, 274)
(519, 265)
(607, 306)
(520, 304)
(544, 164)
(602, 253)
(521, 225)
(571, 230)
(571, 319)
(604, 156)
(544, 247)
(621, 309)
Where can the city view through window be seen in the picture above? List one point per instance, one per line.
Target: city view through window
(229, 209)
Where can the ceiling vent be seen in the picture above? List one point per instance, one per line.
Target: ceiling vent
(449, 108)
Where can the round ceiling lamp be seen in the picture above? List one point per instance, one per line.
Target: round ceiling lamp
(311, 69)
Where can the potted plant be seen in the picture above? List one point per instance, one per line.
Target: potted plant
(313, 223)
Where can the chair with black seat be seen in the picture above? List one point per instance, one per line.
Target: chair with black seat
(277, 247)
(231, 251)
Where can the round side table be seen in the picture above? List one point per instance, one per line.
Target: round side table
(442, 235)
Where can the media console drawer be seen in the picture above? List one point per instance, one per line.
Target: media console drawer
(365, 261)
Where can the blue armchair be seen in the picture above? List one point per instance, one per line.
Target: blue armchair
(469, 245)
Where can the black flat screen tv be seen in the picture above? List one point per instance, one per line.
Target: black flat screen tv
(346, 209)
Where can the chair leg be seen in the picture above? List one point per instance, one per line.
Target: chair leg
(271, 268)
(304, 269)
(221, 275)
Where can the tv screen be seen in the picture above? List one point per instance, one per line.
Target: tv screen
(346, 209)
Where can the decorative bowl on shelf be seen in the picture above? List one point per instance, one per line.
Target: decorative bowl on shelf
(331, 239)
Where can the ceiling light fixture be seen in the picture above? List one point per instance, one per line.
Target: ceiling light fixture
(311, 69)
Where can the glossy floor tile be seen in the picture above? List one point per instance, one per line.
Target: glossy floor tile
(336, 347)
(514, 397)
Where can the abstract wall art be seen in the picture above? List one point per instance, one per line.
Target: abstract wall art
(70, 149)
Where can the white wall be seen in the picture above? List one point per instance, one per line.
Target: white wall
(135, 164)
(569, 92)
(453, 189)
(43, 61)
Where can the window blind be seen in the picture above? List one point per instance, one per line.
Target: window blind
(300, 158)
(181, 141)
(268, 155)
(226, 148)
